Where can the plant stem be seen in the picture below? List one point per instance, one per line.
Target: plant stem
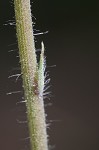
(32, 75)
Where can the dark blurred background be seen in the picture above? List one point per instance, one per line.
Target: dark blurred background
(72, 44)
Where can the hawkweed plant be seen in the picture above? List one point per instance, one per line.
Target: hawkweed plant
(32, 75)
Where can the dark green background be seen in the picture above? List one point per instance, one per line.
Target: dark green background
(72, 44)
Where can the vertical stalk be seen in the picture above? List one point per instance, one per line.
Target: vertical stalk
(32, 75)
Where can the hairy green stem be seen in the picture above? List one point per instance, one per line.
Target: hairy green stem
(32, 75)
